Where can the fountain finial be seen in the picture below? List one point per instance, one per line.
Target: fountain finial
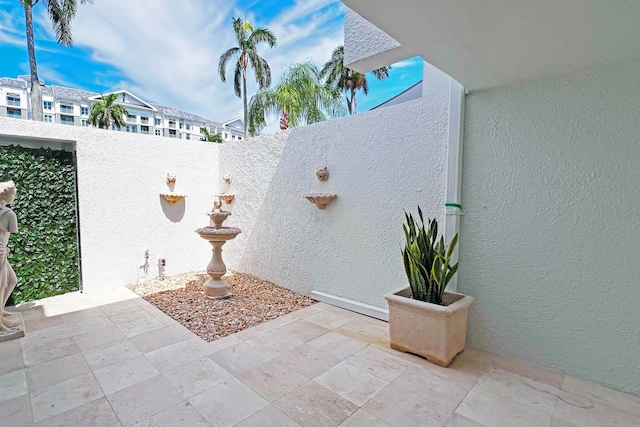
(217, 204)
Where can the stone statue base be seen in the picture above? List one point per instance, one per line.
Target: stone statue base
(216, 289)
(14, 333)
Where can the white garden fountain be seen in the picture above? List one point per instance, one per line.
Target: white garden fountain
(217, 235)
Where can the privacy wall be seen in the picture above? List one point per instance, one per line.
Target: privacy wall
(121, 214)
(380, 163)
(549, 243)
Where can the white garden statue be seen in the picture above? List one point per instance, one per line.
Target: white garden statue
(11, 325)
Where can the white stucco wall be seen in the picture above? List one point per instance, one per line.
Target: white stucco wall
(549, 243)
(366, 46)
(120, 176)
(380, 163)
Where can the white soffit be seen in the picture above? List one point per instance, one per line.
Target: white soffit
(486, 43)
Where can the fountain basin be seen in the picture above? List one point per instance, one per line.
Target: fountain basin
(221, 234)
(320, 200)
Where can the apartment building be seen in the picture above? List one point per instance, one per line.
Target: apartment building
(70, 106)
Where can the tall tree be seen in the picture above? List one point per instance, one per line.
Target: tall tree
(246, 53)
(347, 80)
(300, 97)
(60, 12)
(210, 136)
(106, 112)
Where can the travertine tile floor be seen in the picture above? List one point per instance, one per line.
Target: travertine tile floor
(114, 360)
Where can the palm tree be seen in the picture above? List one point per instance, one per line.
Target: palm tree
(210, 136)
(106, 112)
(347, 80)
(299, 98)
(246, 53)
(60, 12)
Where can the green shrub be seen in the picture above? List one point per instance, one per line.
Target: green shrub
(44, 254)
(426, 261)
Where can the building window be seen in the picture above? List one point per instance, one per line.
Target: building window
(132, 118)
(157, 121)
(158, 132)
(12, 112)
(187, 136)
(188, 127)
(13, 99)
(48, 118)
(84, 123)
(47, 105)
(239, 138)
(180, 124)
(131, 128)
(225, 135)
(144, 120)
(172, 133)
(84, 111)
(172, 124)
(66, 120)
(66, 109)
(144, 130)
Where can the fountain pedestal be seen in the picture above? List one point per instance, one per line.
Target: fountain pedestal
(217, 235)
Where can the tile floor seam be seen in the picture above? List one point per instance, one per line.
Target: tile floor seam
(109, 402)
(33, 420)
(469, 391)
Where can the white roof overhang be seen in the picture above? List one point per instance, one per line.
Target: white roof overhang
(488, 43)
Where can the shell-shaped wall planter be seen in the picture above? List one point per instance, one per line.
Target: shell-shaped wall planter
(173, 197)
(320, 200)
(227, 197)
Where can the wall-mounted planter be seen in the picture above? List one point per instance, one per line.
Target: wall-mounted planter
(173, 197)
(320, 200)
(227, 197)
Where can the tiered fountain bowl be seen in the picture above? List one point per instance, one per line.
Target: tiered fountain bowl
(217, 235)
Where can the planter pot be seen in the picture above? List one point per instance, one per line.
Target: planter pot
(433, 331)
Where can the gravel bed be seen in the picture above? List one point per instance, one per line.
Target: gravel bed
(254, 301)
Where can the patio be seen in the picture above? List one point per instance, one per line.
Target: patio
(112, 359)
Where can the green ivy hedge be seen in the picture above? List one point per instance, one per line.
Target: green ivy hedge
(44, 254)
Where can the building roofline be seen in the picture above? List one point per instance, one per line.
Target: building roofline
(398, 95)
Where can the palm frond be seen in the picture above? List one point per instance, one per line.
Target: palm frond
(262, 35)
(237, 79)
(224, 58)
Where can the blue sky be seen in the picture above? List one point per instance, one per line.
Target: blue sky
(167, 51)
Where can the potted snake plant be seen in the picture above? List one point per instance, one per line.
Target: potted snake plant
(423, 318)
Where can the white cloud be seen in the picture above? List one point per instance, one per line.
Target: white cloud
(10, 33)
(168, 51)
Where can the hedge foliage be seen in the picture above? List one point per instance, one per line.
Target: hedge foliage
(44, 254)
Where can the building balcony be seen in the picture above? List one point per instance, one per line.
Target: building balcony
(14, 114)
(66, 110)
(66, 120)
(13, 103)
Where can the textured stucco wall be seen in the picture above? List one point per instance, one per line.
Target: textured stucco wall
(549, 242)
(120, 176)
(380, 163)
(367, 47)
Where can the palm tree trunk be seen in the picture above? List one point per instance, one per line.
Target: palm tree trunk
(244, 95)
(36, 90)
(353, 104)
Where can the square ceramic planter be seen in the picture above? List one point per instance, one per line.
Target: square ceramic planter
(437, 332)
